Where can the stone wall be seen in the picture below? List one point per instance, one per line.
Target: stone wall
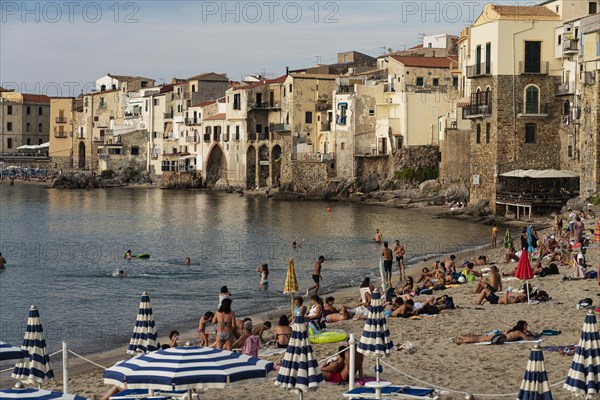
(589, 144)
(181, 180)
(303, 176)
(61, 163)
(455, 163)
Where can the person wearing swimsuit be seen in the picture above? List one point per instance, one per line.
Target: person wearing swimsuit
(224, 319)
(264, 275)
(283, 332)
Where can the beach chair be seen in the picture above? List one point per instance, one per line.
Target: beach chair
(392, 392)
(137, 394)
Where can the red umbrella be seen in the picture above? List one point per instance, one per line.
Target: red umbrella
(524, 271)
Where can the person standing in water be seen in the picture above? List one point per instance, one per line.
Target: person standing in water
(188, 261)
(378, 236)
(264, 275)
(399, 252)
(386, 253)
(2, 261)
(316, 276)
(494, 236)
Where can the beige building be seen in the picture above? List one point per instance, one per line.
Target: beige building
(62, 131)
(25, 120)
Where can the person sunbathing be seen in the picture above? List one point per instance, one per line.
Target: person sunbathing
(246, 333)
(338, 370)
(493, 282)
(408, 287)
(425, 276)
(510, 255)
(508, 298)
(517, 332)
(332, 314)
(366, 289)
(481, 260)
(403, 309)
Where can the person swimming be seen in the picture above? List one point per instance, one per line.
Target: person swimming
(127, 255)
(188, 261)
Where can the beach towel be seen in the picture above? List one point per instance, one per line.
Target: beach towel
(511, 342)
(270, 351)
(251, 346)
(558, 348)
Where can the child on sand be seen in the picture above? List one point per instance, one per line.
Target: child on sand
(494, 236)
(206, 318)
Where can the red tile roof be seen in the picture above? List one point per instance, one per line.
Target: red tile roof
(36, 98)
(524, 11)
(280, 79)
(166, 88)
(419, 46)
(5, 90)
(215, 117)
(426, 62)
(205, 103)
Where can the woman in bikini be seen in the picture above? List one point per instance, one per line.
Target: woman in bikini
(517, 332)
(283, 332)
(332, 314)
(224, 319)
(206, 318)
(264, 275)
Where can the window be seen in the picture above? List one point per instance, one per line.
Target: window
(342, 146)
(560, 39)
(156, 102)
(258, 128)
(420, 81)
(570, 147)
(39, 127)
(371, 110)
(488, 128)
(9, 110)
(144, 84)
(217, 133)
(9, 143)
(28, 142)
(102, 102)
(9, 126)
(28, 110)
(532, 100)
(236, 102)
(478, 60)
(40, 111)
(193, 88)
(488, 58)
(102, 88)
(39, 141)
(533, 52)
(135, 151)
(478, 137)
(207, 133)
(593, 7)
(237, 133)
(455, 82)
(290, 88)
(28, 127)
(308, 117)
(530, 133)
(436, 82)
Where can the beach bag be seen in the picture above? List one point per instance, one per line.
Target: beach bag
(553, 269)
(592, 275)
(499, 339)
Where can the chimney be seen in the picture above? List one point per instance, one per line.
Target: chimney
(287, 71)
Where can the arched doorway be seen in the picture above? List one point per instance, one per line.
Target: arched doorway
(263, 168)
(276, 164)
(216, 166)
(251, 168)
(81, 162)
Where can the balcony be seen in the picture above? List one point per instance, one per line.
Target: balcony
(182, 96)
(131, 115)
(61, 120)
(251, 136)
(320, 106)
(588, 78)
(280, 128)
(168, 115)
(190, 139)
(265, 105)
(325, 126)
(191, 121)
(340, 120)
(570, 47)
(532, 110)
(565, 89)
(60, 134)
(534, 68)
(409, 88)
(480, 107)
(345, 89)
(481, 69)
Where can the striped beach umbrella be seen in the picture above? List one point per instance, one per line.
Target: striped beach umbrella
(375, 340)
(291, 282)
(12, 354)
(535, 382)
(186, 368)
(22, 393)
(299, 369)
(37, 368)
(144, 338)
(584, 376)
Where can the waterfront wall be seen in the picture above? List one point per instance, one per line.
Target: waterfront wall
(455, 164)
(181, 180)
(303, 176)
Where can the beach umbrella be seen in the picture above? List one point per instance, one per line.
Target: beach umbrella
(382, 274)
(10, 354)
(37, 368)
(535, 382)
(144, 338)
(22, 393)
(584, 376)
(186, 368)
(291, 282)
(508, 242)
(530, 240)
(597, 232)
(376, 340)
(524, 271)
(299, 369)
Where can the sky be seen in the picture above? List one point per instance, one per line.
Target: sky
(60, 48)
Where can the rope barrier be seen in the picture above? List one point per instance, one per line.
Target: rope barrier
(85, 359)
(6, 370)
(456, 391)
(55, 353)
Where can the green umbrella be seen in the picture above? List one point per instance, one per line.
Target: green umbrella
(508, 242)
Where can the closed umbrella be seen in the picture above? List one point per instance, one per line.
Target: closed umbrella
(584, 376)
(186, 368)
(12, 354)
(291, 282)
(37, 368)
(376, 340)
(530, 240)
(508, 242)
(299, 369)
(535, 382)
(144, 338)
(22, 393)
(524, 271)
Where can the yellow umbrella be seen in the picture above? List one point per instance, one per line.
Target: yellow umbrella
(291, 283)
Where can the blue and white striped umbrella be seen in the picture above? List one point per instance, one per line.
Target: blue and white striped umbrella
(535, 382)
(12, 354)
(299, 369)
(185, 368)
(584, 376)
(36, 394)
(37, 368)
(376, 340)
(144, 338)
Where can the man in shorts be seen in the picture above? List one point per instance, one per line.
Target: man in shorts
(316, 276)
(399, 252)
(388, 261)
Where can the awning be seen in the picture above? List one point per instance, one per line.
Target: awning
(540, 174)
(463, 102)
(44, 145)
(187, 157)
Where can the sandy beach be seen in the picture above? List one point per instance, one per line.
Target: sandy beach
(453, 369)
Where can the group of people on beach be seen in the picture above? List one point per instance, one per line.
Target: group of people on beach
(388, 255)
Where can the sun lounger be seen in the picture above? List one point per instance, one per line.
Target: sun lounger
(392, 392)
(136, 394)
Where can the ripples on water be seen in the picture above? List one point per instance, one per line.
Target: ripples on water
(63, 248)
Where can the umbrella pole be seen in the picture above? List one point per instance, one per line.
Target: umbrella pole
(292, 297)
(300, 394)
(527, 286)
(65, 366)
(352, 377)
(377, 369)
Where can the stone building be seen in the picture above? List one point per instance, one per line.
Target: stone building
(62, 131)
(124, 83)
(25, 120)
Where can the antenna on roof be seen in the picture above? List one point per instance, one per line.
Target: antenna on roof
(385, 48)
(318, 59)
